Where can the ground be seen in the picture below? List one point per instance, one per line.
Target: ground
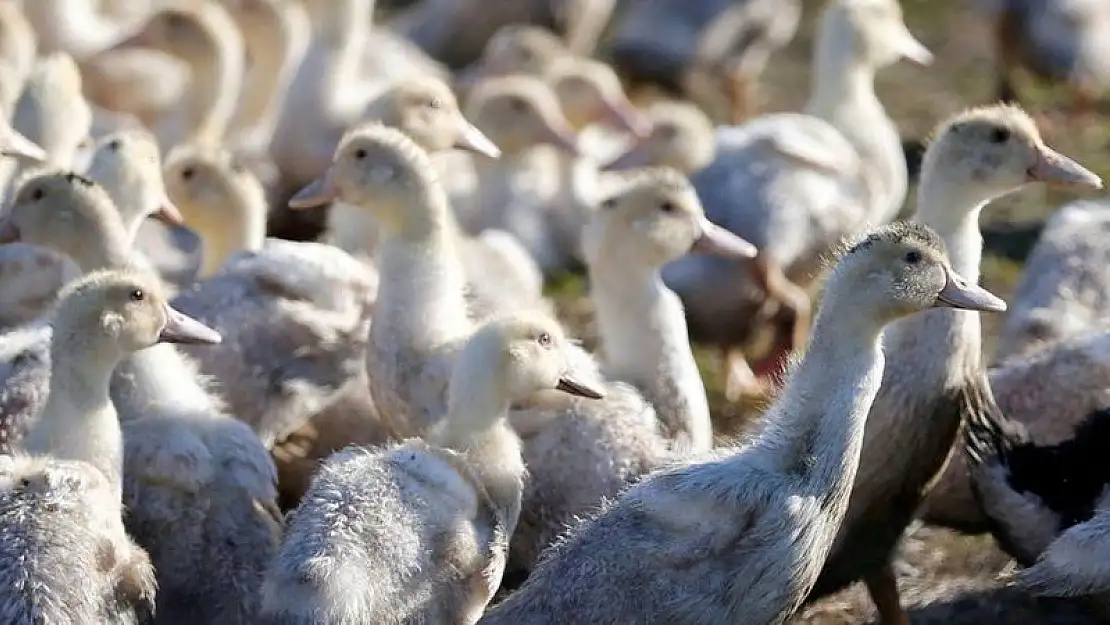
(944, 577)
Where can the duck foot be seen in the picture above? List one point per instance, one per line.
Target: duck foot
(741, 383)
(741, 95)
(883, 588)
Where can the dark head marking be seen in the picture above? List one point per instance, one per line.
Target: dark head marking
(75, 178)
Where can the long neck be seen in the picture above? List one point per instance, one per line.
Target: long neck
(644, 338)
(217, 81)
(815, 432)
(73, 26)
(107, 246)
(243, 230)
(476, 426)
(421, 298)
(953, 211)
(274, 51)
(78, 420)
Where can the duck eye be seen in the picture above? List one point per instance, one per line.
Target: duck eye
(544, 340)
(609, 203)
(188, 173)
(1000, 135)
(137, 295)
(667, 207)
(436, 103)
(37, 194)
(517, 105)
(913, 257)
(113, 145)
(360, 154)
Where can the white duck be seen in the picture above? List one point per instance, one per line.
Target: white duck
(67, 558)
(428, 538)
(742, 535)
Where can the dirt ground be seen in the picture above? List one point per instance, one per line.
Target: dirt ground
(944, 577)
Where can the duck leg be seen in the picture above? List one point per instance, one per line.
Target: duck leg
(1006, 29)
(741, 383)
(791, 323)
(741, 95)
(883, 588)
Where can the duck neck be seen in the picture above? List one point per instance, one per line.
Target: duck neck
(421, 298)
(274, 50)
(73, 26)
(217, 80)
(953, 211)
(159, 375)
(815, 432)
(106, 247)
(245, 230)
(343, 31)
(477, 427)
(645, 342)
(78, 420)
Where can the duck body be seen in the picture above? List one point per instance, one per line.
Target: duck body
(304, 306)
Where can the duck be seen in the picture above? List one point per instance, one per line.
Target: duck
(127, 164)
(1049, 392)
(1046, 503)
(582, 22)
(929, 386)
(20, 44)
(681, 136)
(674, 533)
(454, 495)
(513, 49)
(410, 347)
(198, 484)
(67, 557)
(1060, 42)
(848, 176)
(294, 315)
(655, 410)
(705, 45)
(520, 192)
(1063, 288)
(206, 38)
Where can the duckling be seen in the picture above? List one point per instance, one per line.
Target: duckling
(731, 53)
(843, 165)
(204, 36)
(681, 137)
(675, 533)
(294, 315)
(520, 191)
(929, 387)
(1059, 41)
(199, 485)
(128, 166)
(513, 49)
(66, 556)
(589, 454)
(428, 541)
(420, 316)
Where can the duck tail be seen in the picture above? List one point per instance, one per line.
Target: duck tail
(988, 434)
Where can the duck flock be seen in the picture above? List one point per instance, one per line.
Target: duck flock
(275, 347)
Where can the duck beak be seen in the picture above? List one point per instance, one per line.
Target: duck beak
(635, 157)
(623, 115)
(569, 385)
(912, 49)
(139, 39)
(9, 232)
(717, 241)
(959, 293)
(168, 213)
(474, 140)
(319, 192)
(1057, 170)
(15, 145)
(181, 328)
